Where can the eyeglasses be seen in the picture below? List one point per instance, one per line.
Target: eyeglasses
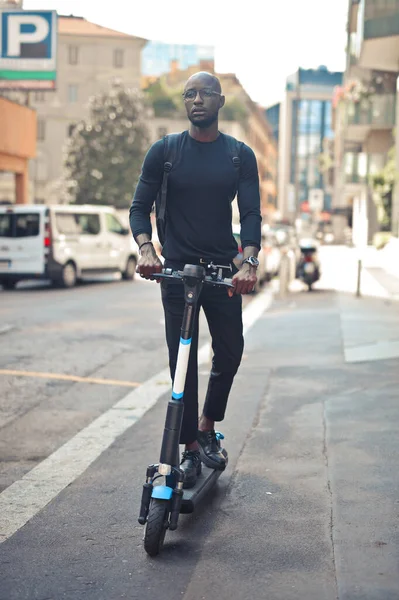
(190, 95)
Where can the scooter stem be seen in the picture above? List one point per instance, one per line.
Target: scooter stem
(193, 276)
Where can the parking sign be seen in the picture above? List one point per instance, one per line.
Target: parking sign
(28, 45)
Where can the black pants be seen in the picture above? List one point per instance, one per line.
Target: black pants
(224, 316)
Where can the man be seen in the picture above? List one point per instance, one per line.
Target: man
(198, 231)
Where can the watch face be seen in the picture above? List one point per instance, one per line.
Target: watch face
(252, 261)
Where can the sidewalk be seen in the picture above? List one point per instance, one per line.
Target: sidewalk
(311, 510)
(383, 265)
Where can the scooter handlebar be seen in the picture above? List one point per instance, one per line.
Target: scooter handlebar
(178, 275)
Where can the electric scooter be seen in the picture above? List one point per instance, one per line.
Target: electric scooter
(308, 269)
(162, 503)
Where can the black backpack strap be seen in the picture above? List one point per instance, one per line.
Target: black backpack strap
(172, 144)
(234, 148)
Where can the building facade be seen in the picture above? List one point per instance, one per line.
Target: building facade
(90, 58)
(157, 56)
(365, 117)
(302, 123)
(273, 117)
(17, 147)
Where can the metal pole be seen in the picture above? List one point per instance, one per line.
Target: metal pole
(297, 133)
(284, 275)
(359, 277)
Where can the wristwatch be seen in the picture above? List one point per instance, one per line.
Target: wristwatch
(251, 260)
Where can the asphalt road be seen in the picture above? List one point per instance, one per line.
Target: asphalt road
(307, 508)
(107, 330)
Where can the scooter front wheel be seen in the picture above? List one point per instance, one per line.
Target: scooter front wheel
(157, 524)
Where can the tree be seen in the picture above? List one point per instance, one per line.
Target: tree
(382, 184)
(161, 100)
(105, 151)
(234, 110)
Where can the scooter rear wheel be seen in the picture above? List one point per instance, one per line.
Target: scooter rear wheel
(157, 524)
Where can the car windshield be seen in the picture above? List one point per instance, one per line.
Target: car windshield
(18, 225)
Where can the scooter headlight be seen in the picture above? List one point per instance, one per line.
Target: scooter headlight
(164, 469)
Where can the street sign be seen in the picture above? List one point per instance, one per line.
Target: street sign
(316, 200)
(28, 45)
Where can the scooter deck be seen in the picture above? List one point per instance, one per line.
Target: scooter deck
(205, 483)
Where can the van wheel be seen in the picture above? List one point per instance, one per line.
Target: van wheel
(130, 270)
(8, 284)
(68, 276)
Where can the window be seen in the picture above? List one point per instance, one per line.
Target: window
(19, 225)
(39, 96)
(71, 129)
(113, 225)
(74, 223)
(89, 224)
(41, 130)
(315, 115)
(5, 226)
(67, 223)
(118, 58)
(73, 55)
(162, 131)
(303, 145)
(72, 93)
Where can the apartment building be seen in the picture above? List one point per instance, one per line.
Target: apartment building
(17, 147)
(302, 123)
(366, 111)
(90, 58)
(157, 56)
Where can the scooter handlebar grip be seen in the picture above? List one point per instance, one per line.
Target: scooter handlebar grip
(222, 282)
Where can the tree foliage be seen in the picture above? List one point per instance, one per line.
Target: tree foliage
(234, 110)
(382, 184)
(161, 99)
(104, 154)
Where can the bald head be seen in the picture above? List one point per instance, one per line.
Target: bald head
(203, 99)
(204, 79)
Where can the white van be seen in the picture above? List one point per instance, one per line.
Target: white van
(63, 244)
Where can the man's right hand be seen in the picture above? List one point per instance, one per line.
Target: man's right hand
(149, 262)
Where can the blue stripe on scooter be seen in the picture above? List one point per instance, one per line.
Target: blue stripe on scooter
(185, 342)
(177, 396)
(161, 492)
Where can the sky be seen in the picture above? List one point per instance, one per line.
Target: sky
(261, 41)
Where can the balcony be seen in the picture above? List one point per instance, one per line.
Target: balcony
(358, 166)
(374, 113)
(378, 34)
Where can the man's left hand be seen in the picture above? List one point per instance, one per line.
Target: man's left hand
(244, 281)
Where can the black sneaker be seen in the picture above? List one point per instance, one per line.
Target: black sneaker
(191, 465)
(210, 452)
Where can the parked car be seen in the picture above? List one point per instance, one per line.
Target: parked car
(63, 244)
(288, 244)
(272, 252)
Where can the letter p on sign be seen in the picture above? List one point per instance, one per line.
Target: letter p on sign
(26, 35)
(36, 30)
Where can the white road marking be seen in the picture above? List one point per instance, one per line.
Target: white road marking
(23, 499)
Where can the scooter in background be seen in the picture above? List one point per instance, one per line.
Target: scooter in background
(308, 269)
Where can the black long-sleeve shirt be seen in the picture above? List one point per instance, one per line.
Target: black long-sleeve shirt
(198, 205)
